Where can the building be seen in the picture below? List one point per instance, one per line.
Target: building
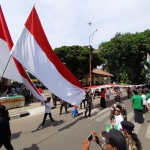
(99, 77)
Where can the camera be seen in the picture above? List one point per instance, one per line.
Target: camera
(90, 137)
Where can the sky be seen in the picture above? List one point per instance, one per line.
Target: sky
(65, 22)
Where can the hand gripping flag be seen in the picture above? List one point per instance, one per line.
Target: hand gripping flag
(34, 52)
(14, 70)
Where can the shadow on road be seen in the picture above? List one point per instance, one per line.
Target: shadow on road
(33, 147)
(71, 124)
(47, 124)
(15, 135)
(109, 104)
(47, 138)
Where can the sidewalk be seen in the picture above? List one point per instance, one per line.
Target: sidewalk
(30, 109)
(36, 108)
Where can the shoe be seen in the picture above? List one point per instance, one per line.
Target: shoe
(59, 114)
(41, 127)
(77, 114)
(53, 123)
(66, 113)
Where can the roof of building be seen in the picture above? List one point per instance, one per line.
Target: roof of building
(101, 72)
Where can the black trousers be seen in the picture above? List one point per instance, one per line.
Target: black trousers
(144, 109)
(26, 99)
(63, 105)
(54, 102)
(6, 144)
(45, 115)
(83, 101)
(88, 109)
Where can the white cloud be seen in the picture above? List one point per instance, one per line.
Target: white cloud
(65, 21)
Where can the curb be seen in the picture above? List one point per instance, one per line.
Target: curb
(22, 114)
(25, 114)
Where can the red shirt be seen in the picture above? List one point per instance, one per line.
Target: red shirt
(103, 94)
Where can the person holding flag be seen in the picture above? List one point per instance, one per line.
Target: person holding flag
(47, 105)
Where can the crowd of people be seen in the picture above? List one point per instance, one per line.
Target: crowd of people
(122, 138)
(19, 89)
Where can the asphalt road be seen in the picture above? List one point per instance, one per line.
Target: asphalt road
(68, 133)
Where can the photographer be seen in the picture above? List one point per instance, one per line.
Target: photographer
(113, 140)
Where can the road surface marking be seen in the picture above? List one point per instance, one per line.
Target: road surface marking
(103, 117)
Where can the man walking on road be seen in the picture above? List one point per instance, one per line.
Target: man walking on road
(47, 105)
(63, 104)
(89, 104)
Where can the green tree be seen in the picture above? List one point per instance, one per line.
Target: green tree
(125, 55)
(76, 58)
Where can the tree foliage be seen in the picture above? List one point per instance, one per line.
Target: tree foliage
(125, 55)
(76, 58)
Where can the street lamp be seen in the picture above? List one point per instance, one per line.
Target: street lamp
(90, 55)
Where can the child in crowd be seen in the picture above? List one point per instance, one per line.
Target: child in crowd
(75, 111)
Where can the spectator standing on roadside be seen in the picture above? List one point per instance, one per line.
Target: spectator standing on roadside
(128, 92)
(137, 105)
(144, 101)
(25, 93)
(108, 93)
(148, 105)
(102, 99)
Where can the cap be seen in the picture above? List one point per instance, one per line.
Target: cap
(103, 134)
(115, 138)
(127, 125)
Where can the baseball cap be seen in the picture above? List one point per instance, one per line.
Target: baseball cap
(115, 138)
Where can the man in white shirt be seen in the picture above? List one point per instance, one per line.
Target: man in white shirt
(118, 118)
(47, 105)
(108, 93)
(144, 101)
(148, 105)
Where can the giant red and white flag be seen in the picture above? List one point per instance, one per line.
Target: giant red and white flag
(34, 52)
(14, 70)
(6, 44)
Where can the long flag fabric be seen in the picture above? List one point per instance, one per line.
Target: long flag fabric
(34, 52)
(14, 69)
(11, 71)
